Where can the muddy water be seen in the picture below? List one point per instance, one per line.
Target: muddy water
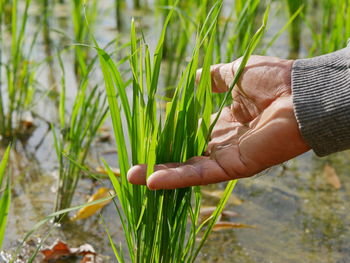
(297, 216)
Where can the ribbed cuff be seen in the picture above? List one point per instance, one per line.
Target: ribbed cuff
(321, 96)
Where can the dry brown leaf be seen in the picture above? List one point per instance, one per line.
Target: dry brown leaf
(27, 124)
(104, 133)
(88, 211)
(207, 211)
(104, 128)
(56, 251)
(331, 176)
(221, 225)
(102, 170)
(88, 258)
(233, 200)
(83, 250)
(60, 249)
(27, 121)
(104, 137)
(228, 213)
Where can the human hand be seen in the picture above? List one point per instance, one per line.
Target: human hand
(258, 131)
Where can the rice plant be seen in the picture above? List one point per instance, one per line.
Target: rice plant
(179, 35)
(137, 4)
(5, 194)
(77, 132)
(233, 35)
(332, 30)
(17, 70)
(119, 6)
(245, 13)
(47, 10)
(295, 29)
(156, 222)
(82, 11)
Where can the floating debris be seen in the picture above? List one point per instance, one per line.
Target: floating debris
(90, 210)
(61, 250)
(102, 170)
(233, 200)
(207, 211)
(222, 225)
(331, 177)
(104, 134)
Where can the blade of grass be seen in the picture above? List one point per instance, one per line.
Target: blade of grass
(5, 196)
(220, 207)
(54, 215)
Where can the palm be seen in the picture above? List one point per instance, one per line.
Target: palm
(258, 131)
(270, 138)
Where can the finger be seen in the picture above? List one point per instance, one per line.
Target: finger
(198, 171)
(221, 76)
(137, 174)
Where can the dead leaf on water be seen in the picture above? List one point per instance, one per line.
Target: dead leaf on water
(104, 128)
(222, 225)
(233, 200)
(27, 123)
(102, 170)
(207, 211)
(331, 176)
(57, 250)
(60, 249)
(228, 213)
(104, 134)
(83, 250)
(88, 211)
(104, 137)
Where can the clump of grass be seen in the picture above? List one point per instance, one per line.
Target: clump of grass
(59, 214)
(5, 194)
(82, 11)
(233, 35)
(241, 32)
(156, 222)
(77, 132)
(137, 4)
(330, 29)
(119, 6)
(179, 35)
(18, 81)
(295, 28)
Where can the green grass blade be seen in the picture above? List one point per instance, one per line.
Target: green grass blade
(3, 164)
(5, 201)
(220, 207)
(251, 47)
(280, 32)
(115, 251)
(56, 214)
(115, 111)
(127, 220)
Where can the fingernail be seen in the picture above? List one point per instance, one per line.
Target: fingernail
(151, 184)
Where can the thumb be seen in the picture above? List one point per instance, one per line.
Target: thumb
(221, 76)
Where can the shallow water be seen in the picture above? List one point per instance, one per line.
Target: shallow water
(297, 216)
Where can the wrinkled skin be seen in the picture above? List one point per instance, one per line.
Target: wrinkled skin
(258, 131)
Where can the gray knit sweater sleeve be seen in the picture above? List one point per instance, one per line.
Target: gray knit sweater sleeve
(321, 96)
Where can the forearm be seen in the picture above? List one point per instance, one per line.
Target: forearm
(321, 97)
